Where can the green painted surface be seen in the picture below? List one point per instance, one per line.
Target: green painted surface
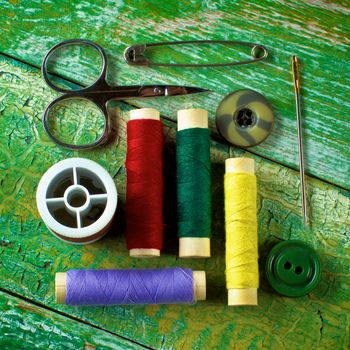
(30, 256)
(27, 326)
(317, 31)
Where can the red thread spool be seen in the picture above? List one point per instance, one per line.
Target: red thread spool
(144, 192)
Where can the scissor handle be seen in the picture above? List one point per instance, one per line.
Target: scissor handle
(102, 138)
(101, 77)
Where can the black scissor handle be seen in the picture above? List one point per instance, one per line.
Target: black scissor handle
(101, 139)
(101, 77)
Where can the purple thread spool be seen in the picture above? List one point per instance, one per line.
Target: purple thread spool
(122, 287)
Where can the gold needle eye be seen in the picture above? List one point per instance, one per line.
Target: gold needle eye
(295, 72)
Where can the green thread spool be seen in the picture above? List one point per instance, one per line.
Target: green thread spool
(193, 183)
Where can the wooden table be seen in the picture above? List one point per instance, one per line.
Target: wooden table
(317, 31)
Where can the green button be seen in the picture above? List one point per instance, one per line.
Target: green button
(293, 268)
(244, 118)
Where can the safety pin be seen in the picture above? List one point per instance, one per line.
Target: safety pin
(134, 54)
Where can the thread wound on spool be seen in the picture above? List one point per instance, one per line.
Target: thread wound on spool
(193, 183)
(118, 287)
(144, 199)
(242, 274)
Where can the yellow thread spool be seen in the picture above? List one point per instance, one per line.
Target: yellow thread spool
(242, 272)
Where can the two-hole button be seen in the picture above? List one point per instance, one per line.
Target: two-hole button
(293, 268)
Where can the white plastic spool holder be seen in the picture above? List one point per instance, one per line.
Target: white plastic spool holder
(77, 200)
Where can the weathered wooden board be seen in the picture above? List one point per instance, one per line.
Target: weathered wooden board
(30, 255)
(317, 31)
(27, 326)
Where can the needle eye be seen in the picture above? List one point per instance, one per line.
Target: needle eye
(158, 90)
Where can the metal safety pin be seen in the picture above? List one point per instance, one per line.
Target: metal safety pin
(134, 54)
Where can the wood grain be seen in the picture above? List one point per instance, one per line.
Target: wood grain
(30, 255)
(27, 326)
(317, 31)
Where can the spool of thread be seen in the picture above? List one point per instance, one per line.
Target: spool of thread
(121, 287)
(242, 273)
(193, 183)
(144, 192)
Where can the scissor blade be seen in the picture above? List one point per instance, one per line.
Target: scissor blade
(168, 90)
(184, 90)
(136, 91)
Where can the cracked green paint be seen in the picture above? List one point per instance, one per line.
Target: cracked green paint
(30, 256)
(317, 31)
(28, 326)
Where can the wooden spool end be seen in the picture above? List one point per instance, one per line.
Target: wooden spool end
(240, 165)
(199, 285)
(194, 247)
(60, 287)
(192, 118)
(144, 113)
(243, 297)
(144, 252)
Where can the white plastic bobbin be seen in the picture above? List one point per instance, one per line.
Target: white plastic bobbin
(77, 199)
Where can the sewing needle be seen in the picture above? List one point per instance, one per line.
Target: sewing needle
(300, 137)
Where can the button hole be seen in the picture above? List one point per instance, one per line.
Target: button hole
(287, 265)
(298, 270)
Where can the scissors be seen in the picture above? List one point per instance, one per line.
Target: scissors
(100, 93)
